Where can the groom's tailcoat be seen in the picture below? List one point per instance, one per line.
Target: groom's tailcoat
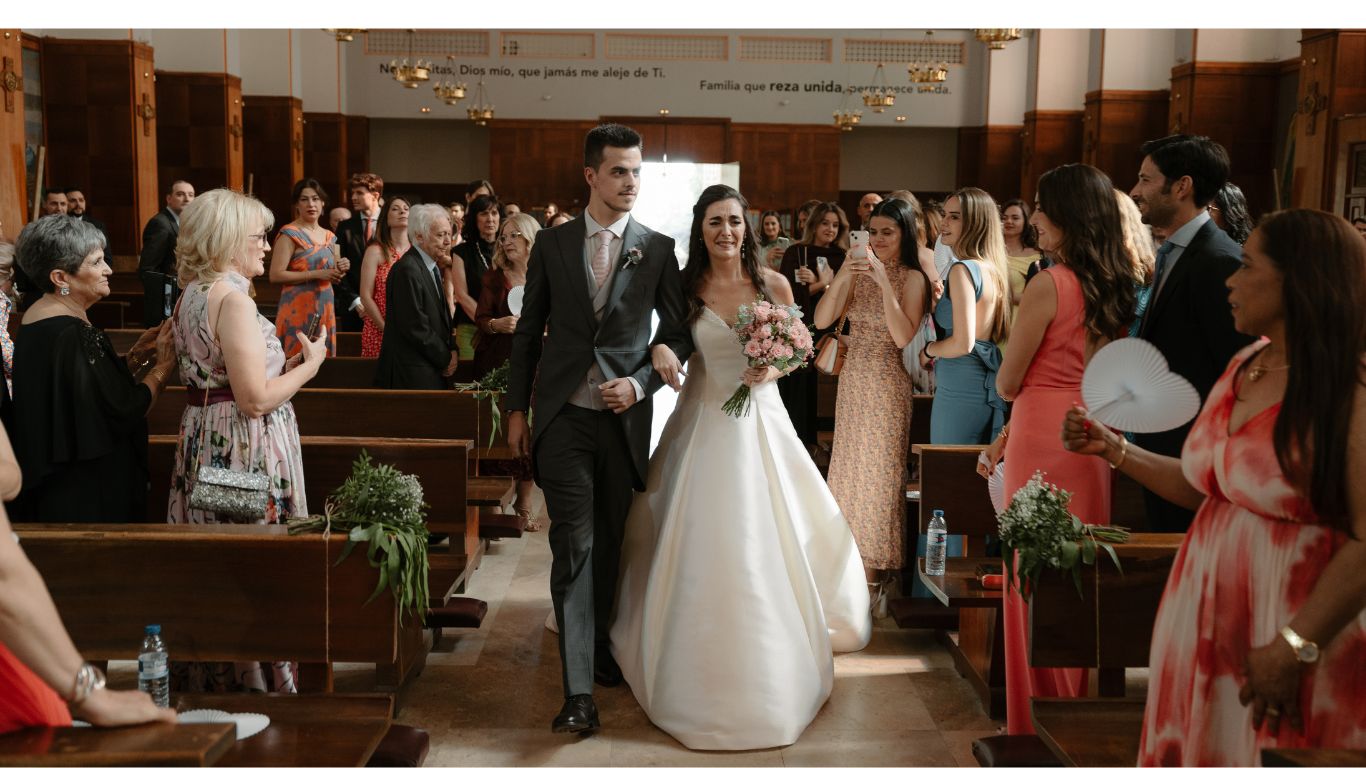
(559, 301)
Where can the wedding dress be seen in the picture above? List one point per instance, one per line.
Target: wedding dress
(739, 575)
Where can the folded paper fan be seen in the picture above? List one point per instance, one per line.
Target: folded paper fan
(1128, 386)
(248, 723)
(515, 299)
(996, 486)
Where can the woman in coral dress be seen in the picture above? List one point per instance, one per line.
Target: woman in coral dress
(1260, 638)
(390, 243)
(1057, 330)
(305, 263)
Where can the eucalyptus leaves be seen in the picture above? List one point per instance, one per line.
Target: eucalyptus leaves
(382, 507)
(490, 388)
(1037, 525)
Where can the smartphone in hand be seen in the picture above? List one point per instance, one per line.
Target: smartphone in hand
(313, 327)
(858, 244)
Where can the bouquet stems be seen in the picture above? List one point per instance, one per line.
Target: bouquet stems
(738, 404)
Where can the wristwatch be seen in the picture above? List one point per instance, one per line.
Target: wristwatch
(1307, 651)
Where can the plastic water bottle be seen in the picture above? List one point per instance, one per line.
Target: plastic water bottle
(154, 667)
(936, 542)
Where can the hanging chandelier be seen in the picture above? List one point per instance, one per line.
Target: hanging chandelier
(928, 71)
(411, 75)
(879, 97)
(996, 39)
(450, 91)
(345, 35)
(481, 111)
(846, 118)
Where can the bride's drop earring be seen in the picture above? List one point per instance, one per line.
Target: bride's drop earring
(66, 291)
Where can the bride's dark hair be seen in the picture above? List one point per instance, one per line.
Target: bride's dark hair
(699, 259)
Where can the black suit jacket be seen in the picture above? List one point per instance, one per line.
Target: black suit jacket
(158, 243)
(351, 236)
(1190, 322)
(417, 329)
(558, 338)
(96, 223)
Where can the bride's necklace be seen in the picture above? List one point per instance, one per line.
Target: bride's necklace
(1256, 372)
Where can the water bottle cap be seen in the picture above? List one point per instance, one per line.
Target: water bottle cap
(939, 513)
(153, 629)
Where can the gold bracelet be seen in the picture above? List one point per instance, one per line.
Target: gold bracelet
(1123, 452)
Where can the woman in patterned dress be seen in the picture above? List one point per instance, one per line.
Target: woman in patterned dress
(1261, 633)
(826, 238)
(239, 384)
(7, 306)
(886, 297)
(390, 243)
(305, 263)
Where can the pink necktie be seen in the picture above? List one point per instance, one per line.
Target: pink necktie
(369, 229)
(603, 257)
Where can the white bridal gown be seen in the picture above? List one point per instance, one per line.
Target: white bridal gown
(739, 575)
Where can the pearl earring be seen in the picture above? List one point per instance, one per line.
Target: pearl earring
(66, 291)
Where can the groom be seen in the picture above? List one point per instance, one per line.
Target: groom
(584, 340)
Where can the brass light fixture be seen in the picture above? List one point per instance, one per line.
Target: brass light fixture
(450, 91)
(481, 111)
(879, 97)
(411, 75)
(845, 118)
(928, 71)
(345, 35)
(996, 39)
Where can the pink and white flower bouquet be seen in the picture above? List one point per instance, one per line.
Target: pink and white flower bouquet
(771, 334)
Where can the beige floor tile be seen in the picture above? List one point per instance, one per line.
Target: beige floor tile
(873, 703)
(517, 746)
(890, 747)
(951, 701)
(960, 745)
(651, 746)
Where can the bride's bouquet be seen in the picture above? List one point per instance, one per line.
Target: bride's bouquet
(1038, 525)
(771, 334)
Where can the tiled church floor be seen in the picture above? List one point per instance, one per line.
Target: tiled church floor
(487, 696)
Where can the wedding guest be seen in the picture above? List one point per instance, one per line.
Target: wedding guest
(511, 209)
(560, 218)
(388, 246)
(7, 297)
(156, 262)
(418, 350)
(966, 356)
(1021, 248)
(865, 208)
(803, 214)
(77, 207)
(237, 413)
(478, 188)
(1138, 240)
(475, 255)
(885, 296)
(551, 211)
(355, 235)
(922, 239)
(1359, 224)
(336, 216)
(54, 203)
(1258, 640)
(497, 321)
(79, 417)
(305, 262)
(773, 242)
(1228, 209)
(457, 222)
(1076, 307)
(826, 237)
(44, 678)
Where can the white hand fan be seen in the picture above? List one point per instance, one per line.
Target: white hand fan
(996, 486)
(248, 723)
(515, 299)
(1128, 386)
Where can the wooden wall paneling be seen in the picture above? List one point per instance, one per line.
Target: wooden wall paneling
(357, 145)
(1332, 84)
(100, 113)
(1050, 138)
(538, 161)
(1349, 198)
(691, 139)
(325, 151)
(782, 166)
(1116, 124)
(13, 174)
(989, 158)
(1235, 104)
(272, 128)
(195, 139)
(236, 176)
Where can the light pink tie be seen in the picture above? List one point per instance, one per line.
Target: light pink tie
(602, 258)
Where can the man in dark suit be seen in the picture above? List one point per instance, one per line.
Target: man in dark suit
(54, 203)
(418, 350)
(76, 208)
(1188, 317)
(354, 234)
(584, 340)
(157, 263)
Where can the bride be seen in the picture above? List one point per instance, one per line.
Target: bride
(739, 575)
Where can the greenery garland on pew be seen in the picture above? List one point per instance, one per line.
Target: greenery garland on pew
(1038, 525)
(383, 507)
(491, 388)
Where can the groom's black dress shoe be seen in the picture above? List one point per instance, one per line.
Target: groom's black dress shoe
(578, 715)
(605, 670)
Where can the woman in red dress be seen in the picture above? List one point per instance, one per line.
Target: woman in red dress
(1260, 639)
(390, 243)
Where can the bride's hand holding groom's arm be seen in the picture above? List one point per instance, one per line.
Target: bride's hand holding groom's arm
(666, 364)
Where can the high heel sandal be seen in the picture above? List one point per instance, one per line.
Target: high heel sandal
(877, 599)
(529, 524)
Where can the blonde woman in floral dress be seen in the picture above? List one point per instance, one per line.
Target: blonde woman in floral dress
(239, 384)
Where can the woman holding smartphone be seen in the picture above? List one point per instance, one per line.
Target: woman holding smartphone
(809, 266)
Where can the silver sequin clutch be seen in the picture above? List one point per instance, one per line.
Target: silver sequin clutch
(231, 495)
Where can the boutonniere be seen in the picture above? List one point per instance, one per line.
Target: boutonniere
(631, 258)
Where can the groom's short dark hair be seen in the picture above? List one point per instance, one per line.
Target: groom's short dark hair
(607, 135)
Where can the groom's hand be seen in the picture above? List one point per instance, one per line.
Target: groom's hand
(519, 437)
(619, 394)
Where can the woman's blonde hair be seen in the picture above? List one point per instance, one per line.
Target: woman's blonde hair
(214, 229)
(1138, 239)
(982, 239)
(525, 224)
